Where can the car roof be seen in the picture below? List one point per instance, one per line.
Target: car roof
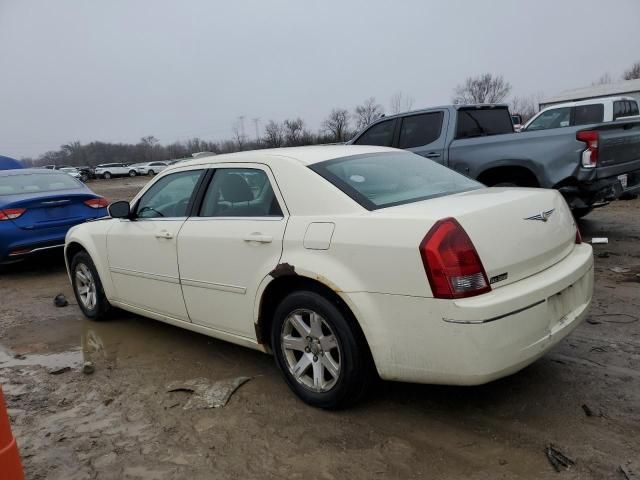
(590, 101)
(28, 171)
(307, 155)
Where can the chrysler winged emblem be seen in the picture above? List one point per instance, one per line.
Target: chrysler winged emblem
(542, 216)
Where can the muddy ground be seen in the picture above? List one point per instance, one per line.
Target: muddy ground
(120, 422)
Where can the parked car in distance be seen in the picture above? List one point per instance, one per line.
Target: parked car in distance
(109, 170)
(516, 119)
(38, 206)
(595, 110)
(150, 168)
(405, 267)
(75, 173)
(589, 163)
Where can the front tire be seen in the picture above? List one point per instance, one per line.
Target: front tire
(87, 287)
(132, 173)
(319, 351)
(106, 175)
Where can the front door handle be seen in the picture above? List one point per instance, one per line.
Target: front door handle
(432, 155)
(258, 237)
(164, 234)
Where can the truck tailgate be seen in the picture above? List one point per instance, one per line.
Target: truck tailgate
(619, 146)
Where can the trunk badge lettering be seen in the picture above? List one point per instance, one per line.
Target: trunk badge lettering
(542, 216)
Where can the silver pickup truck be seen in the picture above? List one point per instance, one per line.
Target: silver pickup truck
(590, 162)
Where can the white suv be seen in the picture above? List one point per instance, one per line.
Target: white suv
(108, 170)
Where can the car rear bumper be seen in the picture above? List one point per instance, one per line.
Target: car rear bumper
(479, 339)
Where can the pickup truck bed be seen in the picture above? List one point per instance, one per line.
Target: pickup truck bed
(589, 164)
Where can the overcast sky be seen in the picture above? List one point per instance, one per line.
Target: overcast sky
(117, 70)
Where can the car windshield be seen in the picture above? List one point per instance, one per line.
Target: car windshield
(386, 179)
(36, 182)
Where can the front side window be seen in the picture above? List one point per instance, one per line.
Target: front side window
(420, 130)
(381, 134)
(387, 179)
(555, 118)
(240, 192)
(170, 196)
(587, 114)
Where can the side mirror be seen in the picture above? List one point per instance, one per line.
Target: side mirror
(119, 209)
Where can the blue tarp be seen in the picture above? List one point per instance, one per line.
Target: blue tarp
(7, 163)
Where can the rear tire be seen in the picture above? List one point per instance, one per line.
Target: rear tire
(87, 287)
(132, 173)
(320, 352)
(106, 175)
(581, 212)
(151, 173)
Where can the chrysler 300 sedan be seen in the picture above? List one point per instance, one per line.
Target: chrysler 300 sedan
(345, 262)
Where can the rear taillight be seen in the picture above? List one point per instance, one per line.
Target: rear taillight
(578, 236)
(11, 213)
(97, 202)
(590, 155)
(452, 263)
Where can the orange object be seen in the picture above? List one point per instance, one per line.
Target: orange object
(10, 466)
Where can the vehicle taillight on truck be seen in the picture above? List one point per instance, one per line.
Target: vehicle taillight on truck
(590, 155)
(451, 262)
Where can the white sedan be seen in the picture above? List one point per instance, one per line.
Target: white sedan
(344, 262)
(150, 168)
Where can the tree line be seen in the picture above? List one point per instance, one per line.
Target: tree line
(339, 126)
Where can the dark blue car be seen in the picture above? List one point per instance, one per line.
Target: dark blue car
(38, 206)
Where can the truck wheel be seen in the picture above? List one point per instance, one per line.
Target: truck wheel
(581, 212)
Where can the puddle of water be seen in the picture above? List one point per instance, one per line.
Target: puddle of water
(72, 358)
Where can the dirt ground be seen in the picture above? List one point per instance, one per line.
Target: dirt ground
(120, 422)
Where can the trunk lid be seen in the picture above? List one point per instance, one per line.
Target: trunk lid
(507, 227)
(56, 209)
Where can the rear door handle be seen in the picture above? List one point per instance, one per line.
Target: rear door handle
(164, 234)
(258, 237)
(432, 155)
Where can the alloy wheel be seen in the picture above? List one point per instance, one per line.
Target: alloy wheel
(311, 350)
(86, 286)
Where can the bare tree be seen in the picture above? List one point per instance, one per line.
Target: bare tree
(633, 73)
(400, 103)
(484, 88)
(337, 124)
(293, 131)
(526, 107)
(273, 135)
(367, 112)
(148, 144)
(74, 153)
(603, 80)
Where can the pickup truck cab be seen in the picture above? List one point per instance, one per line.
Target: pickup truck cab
(595, 110)
(590, 163)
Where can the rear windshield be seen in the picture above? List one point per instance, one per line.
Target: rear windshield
(480, 122)
(386, 179)
(36, 182)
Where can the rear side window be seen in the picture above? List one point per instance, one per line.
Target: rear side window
(586, 114)
(380, 134)
(554, 118)
(624, 108)
(36, 182)
(240, 192)
(421, 129)
(387, 179)
(480, 122)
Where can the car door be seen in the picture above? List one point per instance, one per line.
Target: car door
(230, 247)
(424, 134)
(142, 251)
